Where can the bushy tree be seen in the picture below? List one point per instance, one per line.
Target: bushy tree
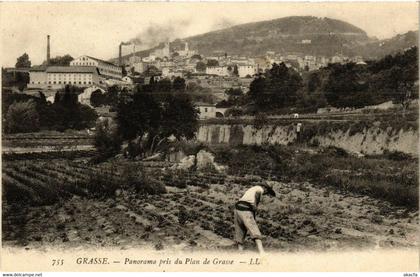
(212, 62)
(178, 117)
(163, 85)
(178, 84)
(235, 97)
(22, 117)
(60, 60)
(200, 66)
(150, 121)
(97, 98)
(23, 61)
(346, 86)
(196, 57)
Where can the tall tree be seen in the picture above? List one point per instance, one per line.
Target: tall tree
(277, 88)
(235, 70)
(111, 96)
(137, 115)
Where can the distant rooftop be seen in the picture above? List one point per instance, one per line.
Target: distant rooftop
(38, 68)
(99, 60)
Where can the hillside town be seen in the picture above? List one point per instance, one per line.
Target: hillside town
(210, 74)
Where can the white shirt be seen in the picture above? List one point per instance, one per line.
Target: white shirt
(253, 195)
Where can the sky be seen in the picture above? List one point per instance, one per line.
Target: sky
(97, 28)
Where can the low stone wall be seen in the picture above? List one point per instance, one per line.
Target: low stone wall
(370, 140)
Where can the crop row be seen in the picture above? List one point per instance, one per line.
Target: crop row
(46, 183)
(76, 154)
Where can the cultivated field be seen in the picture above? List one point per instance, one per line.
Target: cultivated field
(47, 141)
(68, 203)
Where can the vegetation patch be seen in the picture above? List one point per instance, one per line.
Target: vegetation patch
(391, 176)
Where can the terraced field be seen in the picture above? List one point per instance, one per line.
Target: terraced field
(57, 203)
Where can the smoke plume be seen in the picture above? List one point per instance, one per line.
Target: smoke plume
(158, 33)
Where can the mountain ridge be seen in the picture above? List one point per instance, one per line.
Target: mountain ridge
(307, 35)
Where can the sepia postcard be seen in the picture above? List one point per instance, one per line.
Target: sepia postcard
(209, 136)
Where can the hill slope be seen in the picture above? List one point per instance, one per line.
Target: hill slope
(380, 48)
(306, 35)
(327, 37)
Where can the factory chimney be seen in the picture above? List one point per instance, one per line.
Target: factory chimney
(48, 50)
(120, 55)
(120, 61)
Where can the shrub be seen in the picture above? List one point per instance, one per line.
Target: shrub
(334, 151)
(107, 141)
(22, 117)
(134, 149)
(234, 112)
(134, 176)
(102, 184)
(147, 185)
(260, 120)
(183, 216)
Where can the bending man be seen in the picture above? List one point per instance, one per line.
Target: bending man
(245, 210)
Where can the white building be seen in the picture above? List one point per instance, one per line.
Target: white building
(149, 59)
(106, 69)
(245, 70)
(217, 70)
(162, 52)
(206, 110)
(186, 52)
(171, 72)
(134, 59)
(139, 67)
(209, 110)
(56, 77)
(127, 80)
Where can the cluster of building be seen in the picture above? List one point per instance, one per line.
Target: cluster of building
(303, 62)
(216, 73)
(185, 62)
(84, 71)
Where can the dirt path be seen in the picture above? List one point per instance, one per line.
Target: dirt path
(302, 217)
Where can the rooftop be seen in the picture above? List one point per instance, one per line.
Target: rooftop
(202, 104)
(71, 69)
